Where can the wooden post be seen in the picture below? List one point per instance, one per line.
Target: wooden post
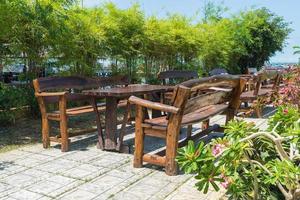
(45, 121)
(63, 124)
(173, 130)
(235, 102)
(111, 123)
(139, 137)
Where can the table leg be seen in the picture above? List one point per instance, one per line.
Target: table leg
(120, 146)
(100, 143)
(111, 123)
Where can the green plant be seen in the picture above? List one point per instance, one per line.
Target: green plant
(247, 162)
(290, 92)
(13, 100)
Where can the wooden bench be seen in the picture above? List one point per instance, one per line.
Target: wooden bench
(211, 96)
(61, 90)
(260, 90)
(174, 77)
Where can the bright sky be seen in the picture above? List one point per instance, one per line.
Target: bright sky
(289, 9)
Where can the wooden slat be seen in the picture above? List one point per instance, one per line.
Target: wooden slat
(249, 95)
(152, 105)
(203, 114)
(194, 137)
(55, 139)
(160, 133)
(211, 98)
(77, 82)
(154, 159)
(77, 133)
(81, 110)
(53, 116)
(193, 117)
(213, 81)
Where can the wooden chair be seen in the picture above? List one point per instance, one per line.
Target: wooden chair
(61, 90)
(217, 71)
(216, 95)
(176, 76)
(252, 96)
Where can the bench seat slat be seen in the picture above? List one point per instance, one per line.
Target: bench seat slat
(249, 95)
(84, 110)
(191, 118)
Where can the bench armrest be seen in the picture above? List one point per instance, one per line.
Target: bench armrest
(49, 94)
(153, 105)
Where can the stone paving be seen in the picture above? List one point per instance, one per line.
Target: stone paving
(88, 173)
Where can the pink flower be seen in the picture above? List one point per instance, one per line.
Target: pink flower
(217, 149)
(226, 182)
(285, 111)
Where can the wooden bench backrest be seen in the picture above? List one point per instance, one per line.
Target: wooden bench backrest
(219, 89)
(176, 74)
(77, 82)
(264, 75)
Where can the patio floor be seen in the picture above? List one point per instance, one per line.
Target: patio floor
(86, 172)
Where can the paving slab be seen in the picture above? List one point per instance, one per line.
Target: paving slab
(87, 173)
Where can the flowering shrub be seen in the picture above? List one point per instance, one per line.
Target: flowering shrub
(290, 93)
(248, 163)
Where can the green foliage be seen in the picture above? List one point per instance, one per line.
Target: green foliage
(13, 100)
(249, 163)
(261, 33)
(75, 38)
(284, 118)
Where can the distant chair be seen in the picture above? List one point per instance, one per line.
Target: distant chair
(217, 71)
(252, 70)
(173, 76)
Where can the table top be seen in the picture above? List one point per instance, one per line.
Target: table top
(128, 91)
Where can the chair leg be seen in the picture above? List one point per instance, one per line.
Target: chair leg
(64, 135)
(45, 132)
(139, 138)
(171, 152)
(139, 149)
(258, 112)
(189, 132)
(229, 116)
(205, 124)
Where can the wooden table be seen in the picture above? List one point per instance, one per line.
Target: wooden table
(112, 96)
